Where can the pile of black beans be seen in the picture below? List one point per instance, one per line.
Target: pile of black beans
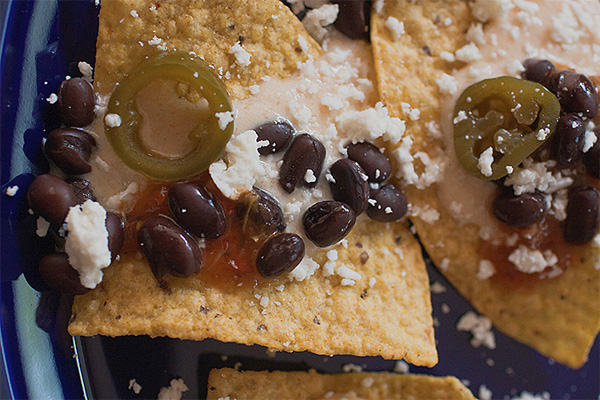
(51, 197)
(579, 104)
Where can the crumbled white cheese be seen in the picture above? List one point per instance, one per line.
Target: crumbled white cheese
(133, 385)
(395, 27)
(426, 213)
(309, 176)
(444, 264)
(372, 282)
(475, 33)
(447, 56)
(11, 191)
(242, 57)
(468, 53)
(437, 288)
(243, 165)
(173, 391)
(367, 382)
(155, 41)
(112, 120)
(485, 10)
(304, 270)
(537, 175)
(225, 118)
(530, 396)
(372, 123)
(346, 273)
(486, 270)
(52, 98)
(378, 6)
(352, 368)
(559, 204)
(401, 367)
(347, 282)
(86, 70)
(565, 27)
(485, 161)
(264, 301)
(317, 19)
(484, 393)
(42, 227)
(590, 138)
(480, 327)
(87, 242)
(531, 261)
(447, 84)
(542, 134)
(460, 116)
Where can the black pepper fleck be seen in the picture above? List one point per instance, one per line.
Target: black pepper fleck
(316, 320)
(262, 327)
(364, 257)
(364, 294)
(231, 27)
(399, 240)
(427, 50)
(242, 39)
(359, 245)
(298, 49)
(117, 317)
(204, 310)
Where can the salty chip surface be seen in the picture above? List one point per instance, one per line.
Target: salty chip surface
(558, 317)
(387, 313)
(223, 383)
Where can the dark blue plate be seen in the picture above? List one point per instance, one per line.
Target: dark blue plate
(41, 43)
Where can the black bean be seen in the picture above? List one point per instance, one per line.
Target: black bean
(278, 133)
(76, 101)
(82, 189)
(168, 248)
(575, 93)
(583, 215)
(349, 184)
(328, 222)
(353, 18)
(279, 255)
(568, 139)
(304, 153)
(538, 70)
(387, 204)
(116, 234)
(197, 210)
(592, 157)
(59, 275)
(70, 149)
(519, 211)
(376, 164)
(51, 197)
(259, 213)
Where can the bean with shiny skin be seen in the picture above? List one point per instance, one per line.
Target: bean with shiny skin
(519, 211)
(197, 210)
(304, 153)
(278, 133)
(384, 197)
(59, 275)
(375, 164)
(51, 197)
(575, 93)
(279, 255)
(568, 139)
(353, 18)
(259, 213)
(168, 248)
(591, 159)
(583, 215)
(81, 188)
(116, 234)
(328, 222)
(349, 184)
(76, 101)
(538, 70)
(70, 149)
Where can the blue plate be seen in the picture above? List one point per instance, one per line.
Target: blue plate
(41, 43)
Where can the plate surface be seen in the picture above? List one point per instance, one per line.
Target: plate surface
(42, 42)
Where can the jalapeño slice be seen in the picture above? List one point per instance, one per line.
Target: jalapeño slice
(512, 116)
(208, 138)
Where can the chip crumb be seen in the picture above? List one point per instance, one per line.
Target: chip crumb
(173, 391)
(133, 385)
(352, 368)
(401, 367)
(480, 327)
(11, 191)
(437, 288)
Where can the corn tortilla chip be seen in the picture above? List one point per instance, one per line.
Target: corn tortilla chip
(558, 317)
(229, 383)
(389, 315)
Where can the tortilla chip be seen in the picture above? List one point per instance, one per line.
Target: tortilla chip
(229, 383)
(130, 30)
(558, 317)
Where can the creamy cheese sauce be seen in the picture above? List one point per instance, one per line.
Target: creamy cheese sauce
(542, 30)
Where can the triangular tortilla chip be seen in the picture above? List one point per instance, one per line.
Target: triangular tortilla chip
(558, 317)
(229, 383)
(389, 316)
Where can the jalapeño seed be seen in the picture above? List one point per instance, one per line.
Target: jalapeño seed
(279, 255)
(328, 222)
